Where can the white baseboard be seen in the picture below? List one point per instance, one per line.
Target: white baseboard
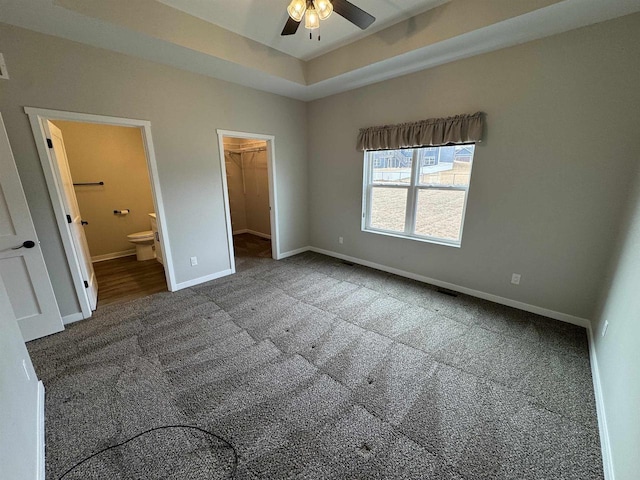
(259, 234)
(291, 253)
(605, 446)
(41, 439)
(111, 256)
(206, 278)
(564, 317)
(252, 232)
(74, 317)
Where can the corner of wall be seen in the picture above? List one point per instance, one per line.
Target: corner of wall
(607, 461)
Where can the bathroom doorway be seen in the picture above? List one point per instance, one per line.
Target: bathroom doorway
(249, 170)
(102, 171)
(108, 168)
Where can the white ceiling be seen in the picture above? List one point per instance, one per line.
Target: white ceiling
(263, 20)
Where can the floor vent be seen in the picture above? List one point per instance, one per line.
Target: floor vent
(451, 293)
(351, 264)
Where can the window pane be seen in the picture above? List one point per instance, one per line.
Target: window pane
(392, 166)
(388, 208)
(439, 213)
(446, 165)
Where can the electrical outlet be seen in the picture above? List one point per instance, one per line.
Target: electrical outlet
(194, 261)
(604, 329)
(515, 278)
(340, 240)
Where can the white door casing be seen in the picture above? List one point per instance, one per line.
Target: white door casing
(72, 210)
(22, 268)
(38, 117)
(273, 197)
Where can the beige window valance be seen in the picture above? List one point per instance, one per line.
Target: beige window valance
(433, 132)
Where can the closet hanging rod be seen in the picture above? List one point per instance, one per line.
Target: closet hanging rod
(87, 183)
(261, 149)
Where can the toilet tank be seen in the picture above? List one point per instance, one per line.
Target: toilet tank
(156, 238)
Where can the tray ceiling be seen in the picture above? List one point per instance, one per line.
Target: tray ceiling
(239, 40)
(262, 21)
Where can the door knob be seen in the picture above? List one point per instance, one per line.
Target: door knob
(26, 244)
(84, 223)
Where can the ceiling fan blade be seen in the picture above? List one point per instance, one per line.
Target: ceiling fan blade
(290, 27)
(354, 14)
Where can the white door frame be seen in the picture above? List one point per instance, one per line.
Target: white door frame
(38, 116)
(273, 197)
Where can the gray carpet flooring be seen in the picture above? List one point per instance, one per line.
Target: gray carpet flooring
(316, 369)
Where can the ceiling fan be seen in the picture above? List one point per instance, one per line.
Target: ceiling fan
(315, 10)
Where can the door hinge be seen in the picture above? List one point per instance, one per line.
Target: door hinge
(86, 284)
(49, 143)
(69, 219)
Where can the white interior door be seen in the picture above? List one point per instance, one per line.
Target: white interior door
(73, 212)
(22, 266)
(21, 402)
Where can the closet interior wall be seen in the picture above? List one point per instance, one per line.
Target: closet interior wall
(248, 183)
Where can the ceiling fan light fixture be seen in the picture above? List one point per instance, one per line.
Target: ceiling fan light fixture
(324, 8)
(296, 9)
(311, 19)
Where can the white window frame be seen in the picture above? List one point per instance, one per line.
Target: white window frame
(412, 201)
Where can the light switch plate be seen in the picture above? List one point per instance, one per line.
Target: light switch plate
(3, 68)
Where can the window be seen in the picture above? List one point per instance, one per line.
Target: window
(418, 193)
(429, 161)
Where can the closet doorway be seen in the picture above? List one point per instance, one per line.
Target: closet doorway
(248, 173)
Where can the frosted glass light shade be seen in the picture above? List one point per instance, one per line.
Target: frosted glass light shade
(296, 9)
(324, 8)
(311, 19)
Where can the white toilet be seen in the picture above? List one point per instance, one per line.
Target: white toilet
(144, 245)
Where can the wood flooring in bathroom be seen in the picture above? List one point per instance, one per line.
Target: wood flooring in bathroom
(124, 279)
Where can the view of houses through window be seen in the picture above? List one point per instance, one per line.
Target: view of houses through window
(418, 193)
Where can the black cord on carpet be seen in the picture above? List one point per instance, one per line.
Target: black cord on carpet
(235, 453)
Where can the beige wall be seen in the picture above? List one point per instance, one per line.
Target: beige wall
(116, 156)
(549, 182)
(185, 110)
(618, 352)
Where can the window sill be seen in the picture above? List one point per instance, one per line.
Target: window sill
(435, 241)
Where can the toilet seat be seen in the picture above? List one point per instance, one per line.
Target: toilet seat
(141, 236)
